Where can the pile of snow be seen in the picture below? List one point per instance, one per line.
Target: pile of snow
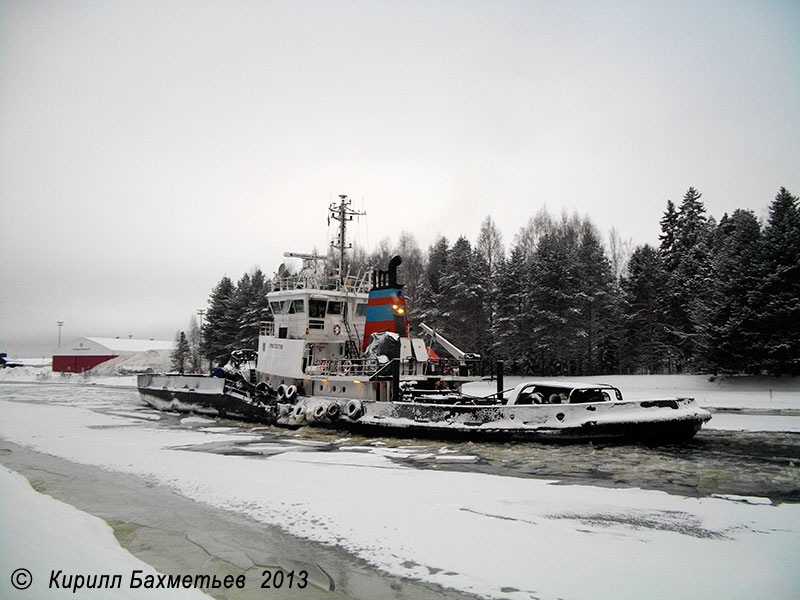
(44, 535)
(153, 361)
(120, 371)
(26, 374)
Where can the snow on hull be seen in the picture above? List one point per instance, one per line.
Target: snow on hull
(201, 394)
(664, 420)
(674, 419)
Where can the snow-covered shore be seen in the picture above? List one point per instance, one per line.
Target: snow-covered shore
(43, 535)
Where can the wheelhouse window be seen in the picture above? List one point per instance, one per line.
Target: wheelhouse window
(297, 306)
(361, 310)
(279, 307)
(316, 308)
(334, 308)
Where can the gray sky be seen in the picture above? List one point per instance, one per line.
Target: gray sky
(149, 148)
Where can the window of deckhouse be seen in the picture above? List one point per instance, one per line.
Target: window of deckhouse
(279, 307)
(316, 308)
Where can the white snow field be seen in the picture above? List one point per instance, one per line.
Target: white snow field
(42, 534)
(490, 535)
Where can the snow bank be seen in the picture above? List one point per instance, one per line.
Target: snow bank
(494, 536)
(46, 375)
(158, 361)
(118, 372)
(41, 534)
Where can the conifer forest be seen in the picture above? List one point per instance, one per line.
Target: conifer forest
(715, 295)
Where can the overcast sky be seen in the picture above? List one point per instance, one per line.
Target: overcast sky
(149, 148)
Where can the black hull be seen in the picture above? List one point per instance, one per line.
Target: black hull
(637, 433)
(226, 405)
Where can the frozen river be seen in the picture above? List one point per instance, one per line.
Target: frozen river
(719, 517)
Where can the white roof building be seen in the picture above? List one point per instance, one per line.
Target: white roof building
(83, 353)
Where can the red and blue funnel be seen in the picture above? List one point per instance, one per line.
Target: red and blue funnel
(386, 307)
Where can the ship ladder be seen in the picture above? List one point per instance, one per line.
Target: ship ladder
(351, 345)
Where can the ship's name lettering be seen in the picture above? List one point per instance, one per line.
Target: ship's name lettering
(276, 346)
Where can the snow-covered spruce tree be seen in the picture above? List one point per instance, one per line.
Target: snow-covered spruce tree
(597, 305)
(221, 324)
(686, 251)
(513, 320)
(181, 355)
(462, 291)
(194, 337)
(553, 303)
(429, 307)
(728, 337)
(643, 345)
(779, 319)
(668, 235)
(250, 303)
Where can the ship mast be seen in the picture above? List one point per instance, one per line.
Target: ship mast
(342, 213)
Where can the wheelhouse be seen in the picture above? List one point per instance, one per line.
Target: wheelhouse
(315, 315)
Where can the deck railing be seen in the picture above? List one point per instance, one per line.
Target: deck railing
(352, 285)
(350, 367)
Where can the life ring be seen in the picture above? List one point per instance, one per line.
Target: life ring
(291, 392)
(346, 366)
(337, 329)
(299, 413)
(354, 409)
(281, 392)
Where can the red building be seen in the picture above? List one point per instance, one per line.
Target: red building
(83, 353)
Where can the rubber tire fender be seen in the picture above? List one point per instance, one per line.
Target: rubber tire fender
(334, 411)
(319, 411)
(354, 410)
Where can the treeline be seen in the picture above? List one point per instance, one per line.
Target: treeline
(230, 322)
(712, 297)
